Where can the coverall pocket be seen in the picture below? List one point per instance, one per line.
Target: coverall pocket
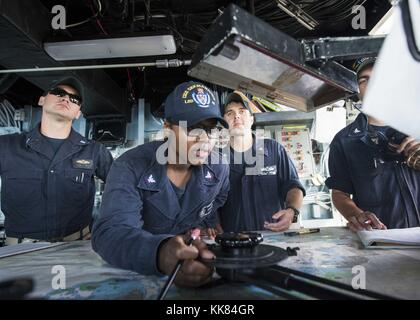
(76, 188)
(22, 189)
(78, 176)
(368, 184)
(158, 214)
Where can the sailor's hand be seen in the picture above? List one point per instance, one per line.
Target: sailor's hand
(285, 219)
(212, 232)
(408, 146)
(364, 221)
(192, 273)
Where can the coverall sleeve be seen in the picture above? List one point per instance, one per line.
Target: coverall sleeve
(118, 236)
(104, 162)
(287, 174)
(340, 178)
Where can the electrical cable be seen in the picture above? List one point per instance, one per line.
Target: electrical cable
(7, 115)
(4, 117)
(11, 110)
(89, 19)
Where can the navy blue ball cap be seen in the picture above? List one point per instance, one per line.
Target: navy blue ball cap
(71, 82)
(192, 102)
(361, 64)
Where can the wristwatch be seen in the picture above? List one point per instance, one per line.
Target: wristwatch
(296, 213)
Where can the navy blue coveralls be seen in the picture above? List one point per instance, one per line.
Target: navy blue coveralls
(45, 195)
(254, 198)
(389, 189)
(140, 208)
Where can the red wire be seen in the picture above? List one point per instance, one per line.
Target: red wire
(129, 79)
(100, 26)
(98, 22)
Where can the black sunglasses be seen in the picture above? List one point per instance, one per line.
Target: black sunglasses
(74, 98)
(213, 132)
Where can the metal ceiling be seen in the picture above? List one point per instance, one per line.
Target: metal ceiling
(113, 89)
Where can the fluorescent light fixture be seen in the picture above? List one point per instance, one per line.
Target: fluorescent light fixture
(240, 51)
(111, 48)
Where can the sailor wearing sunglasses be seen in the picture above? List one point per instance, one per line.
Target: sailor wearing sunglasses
(48, 173)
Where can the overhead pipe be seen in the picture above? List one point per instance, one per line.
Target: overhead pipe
(173, 63)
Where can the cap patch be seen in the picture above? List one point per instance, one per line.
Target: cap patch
(198, 94)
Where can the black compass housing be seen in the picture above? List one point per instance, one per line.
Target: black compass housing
(229, 241)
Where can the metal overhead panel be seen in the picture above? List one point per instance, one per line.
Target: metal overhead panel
(240, 51)
(346, 48)
(284, 118)
(23, 27)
